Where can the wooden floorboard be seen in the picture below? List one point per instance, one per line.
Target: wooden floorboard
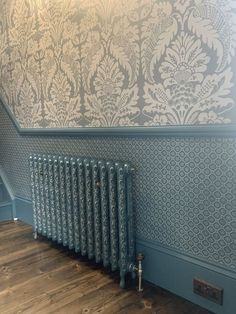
(39, 277)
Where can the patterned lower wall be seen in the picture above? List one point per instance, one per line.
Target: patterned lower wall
(185, 188)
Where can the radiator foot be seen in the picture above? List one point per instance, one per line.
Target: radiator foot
(35, 234)
(133, 275)
(122, 282)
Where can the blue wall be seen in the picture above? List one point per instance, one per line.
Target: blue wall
(185, 200)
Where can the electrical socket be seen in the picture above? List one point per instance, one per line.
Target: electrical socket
(208, 291)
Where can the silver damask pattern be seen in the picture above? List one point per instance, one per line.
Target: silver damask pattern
(118, 63)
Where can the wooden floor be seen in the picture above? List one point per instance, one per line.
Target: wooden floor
(39, 277)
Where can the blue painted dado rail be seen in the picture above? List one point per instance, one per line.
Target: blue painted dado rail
(179, 130)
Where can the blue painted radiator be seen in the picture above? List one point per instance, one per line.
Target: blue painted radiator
(86, 205)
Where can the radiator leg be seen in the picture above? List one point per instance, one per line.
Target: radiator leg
(122, 281)
(133, 275)
(35, 234)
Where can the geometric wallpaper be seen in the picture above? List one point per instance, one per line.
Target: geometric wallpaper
(184, 187)
(109, 63)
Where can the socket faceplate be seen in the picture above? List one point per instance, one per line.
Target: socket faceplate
(208, 291)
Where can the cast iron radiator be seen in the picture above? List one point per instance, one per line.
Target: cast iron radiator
(86, 205)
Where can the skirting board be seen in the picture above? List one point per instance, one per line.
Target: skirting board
(23, 210)
(6, 211)
(170, 270)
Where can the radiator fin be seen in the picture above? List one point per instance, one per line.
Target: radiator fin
(63, 202)
(52, 199)
(97, 211)
(46, 198)
(42, 198)
(57, 200)
(75, 205)
(82, 207)
(68, 184)
(105, 215)
(112, 186)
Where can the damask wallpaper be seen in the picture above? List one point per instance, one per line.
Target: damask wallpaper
(109, 63)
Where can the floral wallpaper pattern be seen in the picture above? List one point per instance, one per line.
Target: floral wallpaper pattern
(109, 63)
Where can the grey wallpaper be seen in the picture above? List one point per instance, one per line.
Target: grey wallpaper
(185, 188)
(99, 63)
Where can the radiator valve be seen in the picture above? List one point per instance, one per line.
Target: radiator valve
(140, 258)
(139, 270)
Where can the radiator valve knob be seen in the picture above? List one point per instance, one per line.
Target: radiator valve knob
(140, 257)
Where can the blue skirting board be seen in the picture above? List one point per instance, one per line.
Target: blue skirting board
(6, 211)
(169, 269)
(24, 211)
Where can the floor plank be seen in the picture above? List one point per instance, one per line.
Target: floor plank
(39, 277)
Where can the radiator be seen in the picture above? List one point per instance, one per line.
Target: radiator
(86, 205)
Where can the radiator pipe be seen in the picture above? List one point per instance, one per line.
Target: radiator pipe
(139, 270)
